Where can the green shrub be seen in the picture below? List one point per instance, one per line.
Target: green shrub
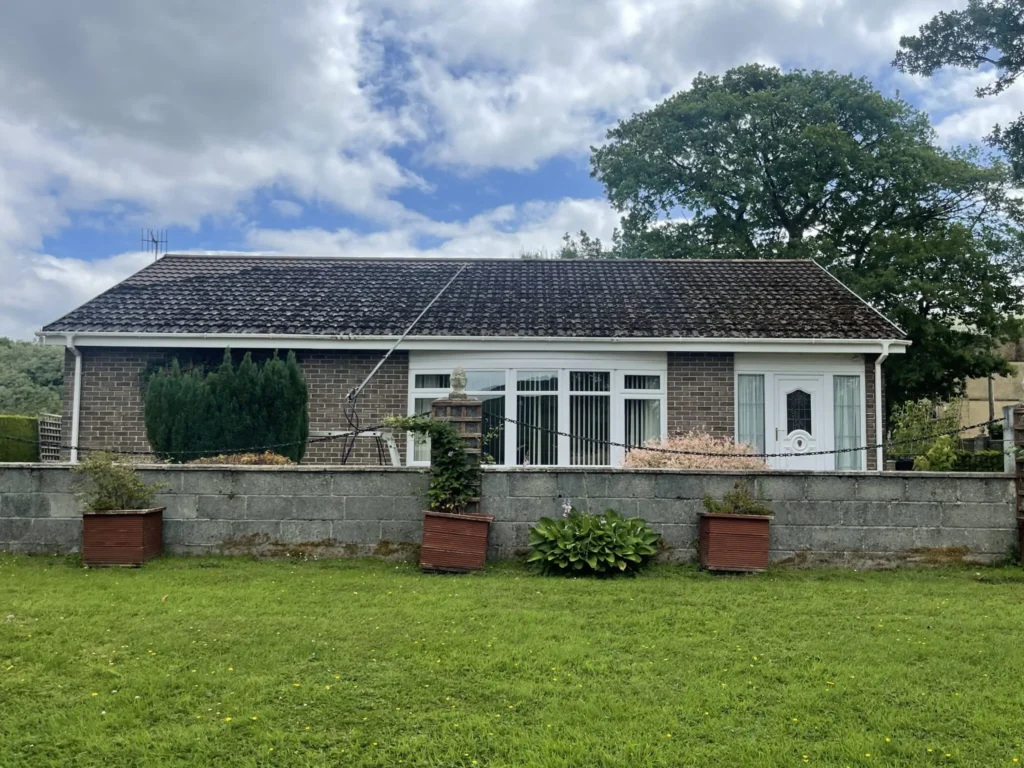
(981, 461)
(940, 456)
(585, 544)
(191, 413)
(25, 433)
(110, 485)
(916, 426)
(738, 501)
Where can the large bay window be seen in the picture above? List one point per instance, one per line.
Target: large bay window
(552, 416)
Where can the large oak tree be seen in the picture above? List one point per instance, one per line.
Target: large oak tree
(761, 164)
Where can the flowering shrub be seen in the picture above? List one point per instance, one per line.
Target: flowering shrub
(585, 544)
(265, 459)
(729, 455)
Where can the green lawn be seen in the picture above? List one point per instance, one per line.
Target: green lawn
(231, 662)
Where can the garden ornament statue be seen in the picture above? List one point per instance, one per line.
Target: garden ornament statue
(458, 385)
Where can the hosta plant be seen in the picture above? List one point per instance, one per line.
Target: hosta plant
(585, 544)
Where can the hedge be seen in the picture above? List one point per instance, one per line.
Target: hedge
(21, 428)
(980, 461)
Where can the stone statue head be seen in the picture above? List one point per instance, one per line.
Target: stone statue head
(458, 385)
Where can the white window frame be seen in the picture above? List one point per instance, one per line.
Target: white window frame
(617, 365)
(825, 366)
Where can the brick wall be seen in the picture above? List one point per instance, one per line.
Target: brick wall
(869, 383)
(700, 392)
(112, 410)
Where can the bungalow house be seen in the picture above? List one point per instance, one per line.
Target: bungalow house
(777, 354)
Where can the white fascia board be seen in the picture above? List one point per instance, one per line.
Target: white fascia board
(469, 343)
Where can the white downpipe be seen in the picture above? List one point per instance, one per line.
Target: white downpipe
(76, 408)
(880, 409)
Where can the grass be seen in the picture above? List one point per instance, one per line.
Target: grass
(232, 662)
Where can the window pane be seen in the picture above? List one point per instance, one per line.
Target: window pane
(536, 438)
(585, 381)
(421, 443)
(433, 381)
(643, 382)
(750, 411)
(485, 381)
(589, 425)
(538, 381)
(643, 421)
(848, 421)
(798, 412)
(494, 428)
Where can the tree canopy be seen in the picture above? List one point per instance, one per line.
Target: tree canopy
(987, 34)
(31, 377)
(761, 164)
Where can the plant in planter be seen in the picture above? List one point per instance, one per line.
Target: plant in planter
(453, 539)
(585, 544)
(734, 531)
(119, 524)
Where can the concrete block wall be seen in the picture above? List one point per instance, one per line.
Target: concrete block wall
(853, 519)
(112, 414)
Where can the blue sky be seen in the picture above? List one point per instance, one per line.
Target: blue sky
(385, 128)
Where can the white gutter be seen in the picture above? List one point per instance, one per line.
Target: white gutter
(879, 408)
(76, 408)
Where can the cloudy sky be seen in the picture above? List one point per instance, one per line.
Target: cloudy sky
(390, 127)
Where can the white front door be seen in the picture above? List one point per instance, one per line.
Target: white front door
(799, 424)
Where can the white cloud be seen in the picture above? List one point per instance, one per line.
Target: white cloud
(287, 208)
(501, 232)
(169, 114)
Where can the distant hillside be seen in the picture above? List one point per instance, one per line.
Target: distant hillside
(31, 377)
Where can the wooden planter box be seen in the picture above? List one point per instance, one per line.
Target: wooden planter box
(734, 542)
(454, 543)
(122, 537)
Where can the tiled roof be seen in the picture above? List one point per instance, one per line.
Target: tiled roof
(506, 297)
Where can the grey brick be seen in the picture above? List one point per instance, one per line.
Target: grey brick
(881, 488)
(362, 483)
(914, 514)
(401, 531)
(813, 513)
(834, 488)
(51, 480)
(931, 489)
(510, 536)
(384, 508)
(356, 531)
(303, 531)
(220, 507)
(576, 485)
(319, 508)
(780, 487)
(978, 515)
(212, 482)
(269, 507)
(987, 490)
(671, 511)
(263, 482)
(13, 529)
(55, 533)
(19, 481)
(677, 536)
(631, 486)
(625, 507)
(494, 484)
(25, 505)
(267, 529)
(61, 505)
(181, 507)
(170, 481)
(679, 486)
(528, 509)
(541, 483)
(197, 532)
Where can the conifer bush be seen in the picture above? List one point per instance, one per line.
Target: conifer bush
(191, 413)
